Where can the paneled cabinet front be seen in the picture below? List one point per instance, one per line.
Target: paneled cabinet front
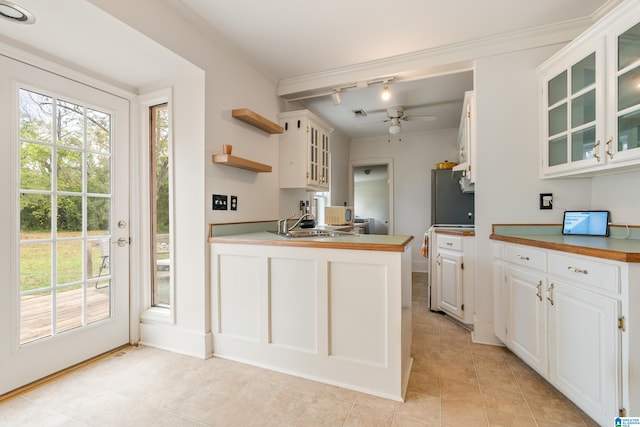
(305, 155)
(590, 104)
(561, 315)
(455, 277)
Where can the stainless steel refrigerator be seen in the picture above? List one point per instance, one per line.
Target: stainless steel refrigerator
(449, 205)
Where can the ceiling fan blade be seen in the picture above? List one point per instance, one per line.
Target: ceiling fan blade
(425, 118)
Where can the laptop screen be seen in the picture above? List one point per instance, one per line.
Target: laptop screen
(586, 223)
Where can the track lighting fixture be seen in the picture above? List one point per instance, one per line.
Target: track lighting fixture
(386, 95)
(337, 100)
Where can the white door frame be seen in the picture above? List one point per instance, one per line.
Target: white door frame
(388, 161)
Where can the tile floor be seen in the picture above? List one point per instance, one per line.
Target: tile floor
(453, 383)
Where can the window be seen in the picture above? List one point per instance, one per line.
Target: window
(160, 206)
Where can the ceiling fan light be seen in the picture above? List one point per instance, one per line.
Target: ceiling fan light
(386, 95)
(394, 129)
(335, 95)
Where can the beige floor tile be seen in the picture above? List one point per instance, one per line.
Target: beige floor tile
(419, 408)
(424, 384)
(505, 401)
(557, 410)
(505, 419)
(456, 414)
(454, 382)
(463, 394)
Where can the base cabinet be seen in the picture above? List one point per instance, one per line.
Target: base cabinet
(564, 316)
(454, 267)
(339, 316)
(584, 338)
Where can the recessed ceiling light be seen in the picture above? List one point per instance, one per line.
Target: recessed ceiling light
(15, 13)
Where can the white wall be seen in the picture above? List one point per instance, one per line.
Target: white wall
(508, 184)
(413, 160)
(618, 193)
(202, 123)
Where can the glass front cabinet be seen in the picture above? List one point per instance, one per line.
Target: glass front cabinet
(591, 99)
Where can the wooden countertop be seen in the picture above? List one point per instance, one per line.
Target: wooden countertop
(616, 249)
(358, 242)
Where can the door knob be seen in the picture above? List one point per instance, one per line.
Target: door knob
(122, 241)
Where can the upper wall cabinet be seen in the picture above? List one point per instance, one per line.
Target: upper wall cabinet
(304, 151)
(467, 138)
(591, 99)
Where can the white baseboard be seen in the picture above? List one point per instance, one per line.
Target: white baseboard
(170, 338)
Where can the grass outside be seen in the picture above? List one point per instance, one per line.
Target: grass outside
(36, 260)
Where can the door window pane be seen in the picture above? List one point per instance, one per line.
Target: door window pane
(98, 131)
(35, 166)
(98, 173)
(69, 176)
(35, 266)
(36, 113)
(35, 216)
(70, 129)
(69, 257)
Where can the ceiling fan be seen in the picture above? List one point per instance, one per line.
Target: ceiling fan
(396, 115)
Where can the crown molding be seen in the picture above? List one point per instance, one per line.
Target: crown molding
(429, 62)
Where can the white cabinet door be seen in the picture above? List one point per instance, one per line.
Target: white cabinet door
(623, 137)
(305, 157)
(526, 317)
(584, 343)
(573, 111)
(450, 282)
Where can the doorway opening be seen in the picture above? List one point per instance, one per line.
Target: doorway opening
(371, 190)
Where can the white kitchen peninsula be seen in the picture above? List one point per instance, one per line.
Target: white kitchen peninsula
(333, 309)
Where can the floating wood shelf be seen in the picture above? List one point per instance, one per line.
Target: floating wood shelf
(255, 119)
(239, 162)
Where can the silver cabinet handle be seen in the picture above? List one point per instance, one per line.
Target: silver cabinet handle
(609, 141)
(550, 294)
(539, 290)
(595, 150)
(522, 257)
(577, 270)
(449, 244)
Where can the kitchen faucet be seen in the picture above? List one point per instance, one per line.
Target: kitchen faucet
(283, 227)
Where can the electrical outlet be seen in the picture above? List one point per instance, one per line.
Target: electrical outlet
(219, 202)
(234, 203)
(546, 201)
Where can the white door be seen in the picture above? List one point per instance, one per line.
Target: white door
(64, 234)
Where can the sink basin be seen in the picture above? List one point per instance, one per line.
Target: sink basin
(313, 232)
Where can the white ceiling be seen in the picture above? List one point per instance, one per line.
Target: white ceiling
(291, 39)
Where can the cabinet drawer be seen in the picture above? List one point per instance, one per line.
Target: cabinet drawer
(450, 242)
(599, 274)
(526, 257)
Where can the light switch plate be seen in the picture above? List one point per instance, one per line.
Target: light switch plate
(546, 201)
(219, 202)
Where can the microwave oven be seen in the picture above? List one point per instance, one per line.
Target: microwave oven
(338, 215)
